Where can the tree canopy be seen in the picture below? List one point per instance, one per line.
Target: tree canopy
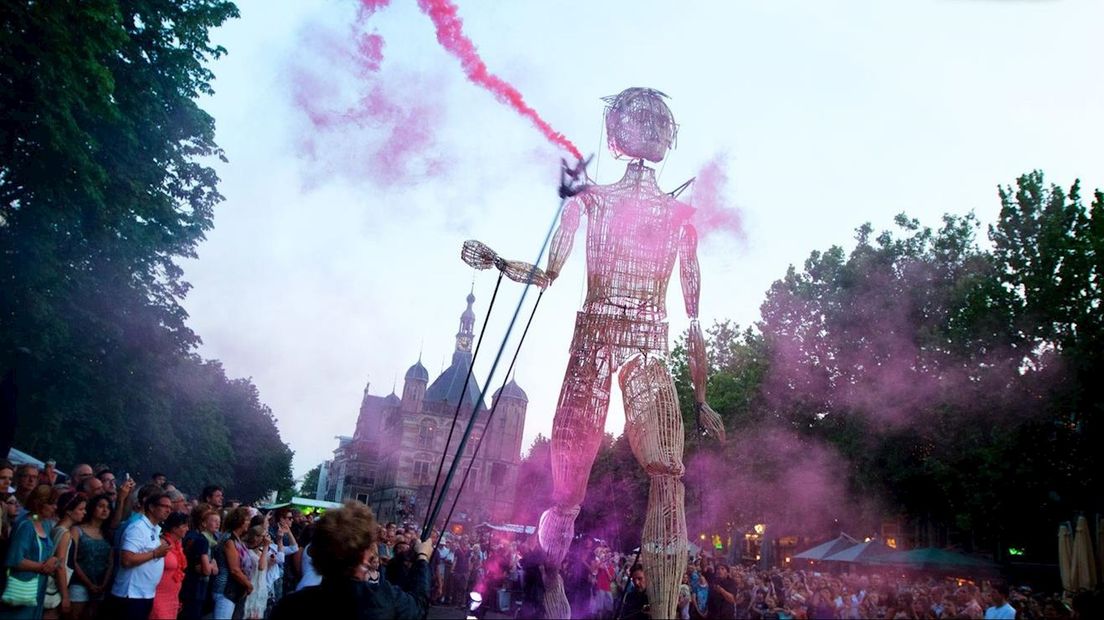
(105, 184)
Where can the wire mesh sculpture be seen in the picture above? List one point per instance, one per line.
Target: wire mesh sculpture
(635, 232)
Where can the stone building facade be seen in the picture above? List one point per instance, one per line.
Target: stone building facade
(392, 458)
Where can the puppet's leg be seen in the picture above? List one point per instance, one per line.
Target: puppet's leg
(654, 426)
(577, 431)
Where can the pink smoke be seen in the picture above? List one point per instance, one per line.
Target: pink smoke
(450, 34)
(713, 212)
(772, 475)
(358, 124)
(876, 358)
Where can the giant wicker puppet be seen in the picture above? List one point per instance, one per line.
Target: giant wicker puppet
(635, 231)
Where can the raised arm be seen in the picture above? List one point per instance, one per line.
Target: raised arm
(563, 238)
(690, 275)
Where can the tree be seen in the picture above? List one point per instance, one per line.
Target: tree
(103, 188)
(534, 482)
(309, 487)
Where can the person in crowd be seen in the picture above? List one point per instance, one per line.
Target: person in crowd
(386, 546)
(92, 569)
(281, 546)
(212, 496)
(107, 478)
(442, 569)
(159, 479)
(198, 545)
(342, 541)
(122, 511)
(166, 598)
(461, 567)
(636, 599)
(722, 594)
(604, 574)
(683, 606)
(26, 480)
(1000, 609)
(7, 474)
(304, 566)
(142, 559)
(532, 579)
(400, 568)
(90, 486)
(49, 474)
(71, 509)
(8, 511)
(30, 558)
(256, 540)
(79, 474)
(699, 607)
(179, 502)
(236, 584)
(476, 574)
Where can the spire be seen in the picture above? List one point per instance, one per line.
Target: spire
(467, 325)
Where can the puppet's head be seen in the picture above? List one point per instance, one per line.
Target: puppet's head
(639, 124)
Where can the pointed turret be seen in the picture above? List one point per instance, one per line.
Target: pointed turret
(414, 386)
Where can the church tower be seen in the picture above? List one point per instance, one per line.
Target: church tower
(450, 386)
(463, 352)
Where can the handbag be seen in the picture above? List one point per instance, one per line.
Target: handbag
(23, 592)
(234, 591)
(52, 599)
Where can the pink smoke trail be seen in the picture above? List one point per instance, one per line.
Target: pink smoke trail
(450, 34)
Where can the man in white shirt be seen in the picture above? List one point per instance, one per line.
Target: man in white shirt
(1000, 610)
(142, 560)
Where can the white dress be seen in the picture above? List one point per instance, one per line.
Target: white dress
(257, 600)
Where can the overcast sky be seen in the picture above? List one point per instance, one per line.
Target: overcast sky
(335, 258)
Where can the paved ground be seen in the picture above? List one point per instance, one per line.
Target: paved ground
(443, 613)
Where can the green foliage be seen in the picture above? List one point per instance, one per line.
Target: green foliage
(309, 487)
(103, 187)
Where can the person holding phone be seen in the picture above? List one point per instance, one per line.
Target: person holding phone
(142, 560)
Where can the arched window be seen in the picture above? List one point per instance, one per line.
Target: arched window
(425, 434)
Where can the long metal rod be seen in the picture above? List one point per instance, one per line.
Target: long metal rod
(463, 394)
(436, 506)
(490, 417)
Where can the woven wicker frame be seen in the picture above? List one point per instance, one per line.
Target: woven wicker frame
(635, 232)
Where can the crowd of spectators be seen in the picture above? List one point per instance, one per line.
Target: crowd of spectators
(93, 545)
(593, 576)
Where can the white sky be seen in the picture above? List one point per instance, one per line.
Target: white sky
(831, 113)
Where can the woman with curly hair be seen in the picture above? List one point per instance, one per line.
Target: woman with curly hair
(31, 556)
(344, 539)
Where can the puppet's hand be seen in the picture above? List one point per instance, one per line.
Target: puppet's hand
(710, 423)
